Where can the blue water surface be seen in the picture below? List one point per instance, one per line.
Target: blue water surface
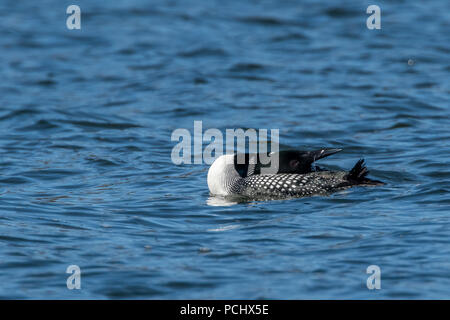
(86, 176)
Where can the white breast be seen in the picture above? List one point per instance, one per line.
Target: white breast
(222, 175)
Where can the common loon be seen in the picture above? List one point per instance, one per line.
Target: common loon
(246, 175)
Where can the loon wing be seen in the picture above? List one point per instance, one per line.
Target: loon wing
(289, 161)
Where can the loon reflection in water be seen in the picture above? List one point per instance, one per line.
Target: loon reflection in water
(245, 175)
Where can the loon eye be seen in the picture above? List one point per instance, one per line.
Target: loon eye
(293, 164)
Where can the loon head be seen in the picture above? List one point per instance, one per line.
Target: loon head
(222, 174)
(300, 162)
